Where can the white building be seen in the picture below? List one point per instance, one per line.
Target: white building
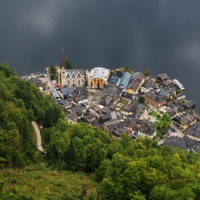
(98, 77)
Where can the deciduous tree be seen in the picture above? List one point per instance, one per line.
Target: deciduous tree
(165, 121)
(68, 64)
(146, 72)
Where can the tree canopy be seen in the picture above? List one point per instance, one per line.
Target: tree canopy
(68, 64)
(165, 121)
(20, 103)
(53, 72)
(146, 72)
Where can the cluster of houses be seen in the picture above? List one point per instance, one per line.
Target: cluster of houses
(111, 100)
(189, 142)
(104, 100)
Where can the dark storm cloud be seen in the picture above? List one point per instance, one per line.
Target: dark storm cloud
(161, 35)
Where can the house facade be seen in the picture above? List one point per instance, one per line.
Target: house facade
(162, 78)
(184, 120)
(154, 99)
(146, 130)
(98, 77)
(148, 85)
(138, 111)
(193, 132)
(72, 77)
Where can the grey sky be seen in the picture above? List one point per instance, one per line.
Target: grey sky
(163, 35)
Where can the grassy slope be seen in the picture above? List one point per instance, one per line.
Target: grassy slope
(46, 184)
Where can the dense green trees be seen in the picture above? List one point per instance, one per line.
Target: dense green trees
(165, 121)
(52, 72)
(20, 103)
(39, 182)
(7, 70)
(138, 169)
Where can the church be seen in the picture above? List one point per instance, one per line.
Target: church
(71, 77)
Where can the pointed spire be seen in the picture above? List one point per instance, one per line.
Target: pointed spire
(63, 60)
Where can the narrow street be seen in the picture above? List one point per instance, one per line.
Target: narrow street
(48, 80)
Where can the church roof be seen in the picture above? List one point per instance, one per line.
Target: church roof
(75, 73)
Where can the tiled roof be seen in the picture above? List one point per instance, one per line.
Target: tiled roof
(113, 80)
(75, 73)
(155, 97)
(194, 130)
(99, 72)
(125, 79)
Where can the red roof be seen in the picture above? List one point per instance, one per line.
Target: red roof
(58, 85)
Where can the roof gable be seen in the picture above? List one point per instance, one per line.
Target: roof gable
(75, 73)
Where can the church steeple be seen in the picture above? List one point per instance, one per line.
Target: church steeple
(63, 60)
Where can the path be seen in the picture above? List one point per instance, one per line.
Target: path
(39, 139)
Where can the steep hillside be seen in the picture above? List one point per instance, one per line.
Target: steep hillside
(21, 103)
(31, 183)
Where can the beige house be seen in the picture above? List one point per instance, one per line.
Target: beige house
(154, 99)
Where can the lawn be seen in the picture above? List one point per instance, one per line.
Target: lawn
(124, 102)
(153, 113)
(183, 102)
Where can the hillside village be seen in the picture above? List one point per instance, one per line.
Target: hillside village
(120, 101)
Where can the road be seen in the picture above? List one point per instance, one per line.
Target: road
(178, 133)
(39, 138)
(47, 78)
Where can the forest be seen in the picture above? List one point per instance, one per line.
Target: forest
(82, 162)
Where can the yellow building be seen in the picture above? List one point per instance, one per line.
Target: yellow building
(154, 99)
(98, 77)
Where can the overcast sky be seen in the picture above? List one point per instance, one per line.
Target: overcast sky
(163, 35)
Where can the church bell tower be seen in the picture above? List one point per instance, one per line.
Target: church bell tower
(62, 70)
(62, 60)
